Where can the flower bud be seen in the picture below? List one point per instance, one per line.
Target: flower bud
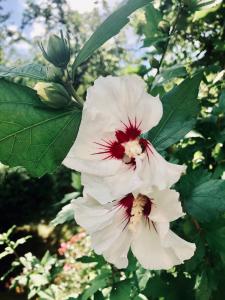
(52, 94)
(58, 50)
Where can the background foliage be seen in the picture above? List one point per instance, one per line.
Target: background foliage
(178, 40)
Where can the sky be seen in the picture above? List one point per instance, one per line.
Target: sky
(37, 30)
(16, 8)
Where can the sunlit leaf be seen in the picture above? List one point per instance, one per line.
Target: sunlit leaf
(32, 135)
(34, 71)
(109, 28)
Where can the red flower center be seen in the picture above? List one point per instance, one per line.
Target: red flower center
(127, 144)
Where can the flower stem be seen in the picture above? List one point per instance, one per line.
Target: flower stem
(69, 85)
(171, 33)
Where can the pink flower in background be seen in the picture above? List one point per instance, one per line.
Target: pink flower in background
(63, 248)
(110, 150)
(140, 221)
(77, 237)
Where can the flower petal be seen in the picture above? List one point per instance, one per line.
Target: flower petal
(182, 249)
(152, 253)
(156, 171)
(166, 206)
(89, 214)
(113, 241)
(107, 189)
(105, 223)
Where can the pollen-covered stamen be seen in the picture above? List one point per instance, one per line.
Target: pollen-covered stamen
(133, 148)
(135, 209)
(141, 208)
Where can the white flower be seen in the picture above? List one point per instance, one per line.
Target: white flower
(139, 222)
(109, 151)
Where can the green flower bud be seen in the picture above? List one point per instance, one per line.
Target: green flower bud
(58, 50)
(54, 73)
(52, 94)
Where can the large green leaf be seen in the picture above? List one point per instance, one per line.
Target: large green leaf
(33, 135)
(203, 197)
(109, 28)
(206, 201)
(180, 110)
(34, 71)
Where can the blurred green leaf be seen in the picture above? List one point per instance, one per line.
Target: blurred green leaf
(155, 288)
(205, 8)
(216, 239)
(100, 282)
(153, 17)
(92, 259)
(76, 181)
(180, 109)
(168, 74)
(8, 251)
(66, 214)
(22, 241)
(34, 71)
(121, 290)
(222, 101)
(32, 135)
(206, 285)
(109, 28)
(98, 296)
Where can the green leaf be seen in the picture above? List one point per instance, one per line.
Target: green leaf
(156, 287)
(169, 73)
(153, 17)
(34, 71)
(121, 290)
(216, 239)
(180, 110)
(109, 28)
(32, 135)
(191, 180)
(206, 201)
(98, 259)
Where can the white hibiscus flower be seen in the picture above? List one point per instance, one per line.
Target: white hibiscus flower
(109, 151)
(137, 221)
